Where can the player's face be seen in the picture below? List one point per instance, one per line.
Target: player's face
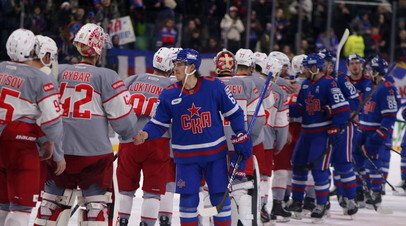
(179, 70)
(355, 67)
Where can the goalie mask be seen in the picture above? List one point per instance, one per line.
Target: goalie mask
(91, 39)
(225, 62)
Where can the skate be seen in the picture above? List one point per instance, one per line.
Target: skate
(265, 215)
(375, 200)
(308, 206)
(164, 221)
(142, 223)
(278, 210)
(342, 201)
(360, 198)
(319, 213)
(296, 209)
(352, 207)
(123, 222)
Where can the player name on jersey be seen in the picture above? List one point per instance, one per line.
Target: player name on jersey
(11, 81)
(76, 75)
(145, 87)
(235, 89)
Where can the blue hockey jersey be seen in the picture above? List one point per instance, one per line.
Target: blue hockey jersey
(349, 91)
(314, 96)
(197, 126)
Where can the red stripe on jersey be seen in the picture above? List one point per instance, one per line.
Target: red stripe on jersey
(122, 115)
(51, 120)
(200, 153)
(48, 96)
(341, 110)
(114, 96)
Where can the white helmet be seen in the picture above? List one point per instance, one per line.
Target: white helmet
(272, 65)
(91, 39)
(297, 63)
(244, 57)
(20, 45)
(163, 59)
(46, 45)
(175, 52)
(281, 57)
(260, 59)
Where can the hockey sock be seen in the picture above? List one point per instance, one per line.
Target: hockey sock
(166, 206)
(347, 178)
(265, 184)
(224, 217)
(310, 192)
(150, 208)
(188, 209)
(279, 184)
(299, 180)
(17, 218)
(321, 185)
(126, 204)
(403, 164)
(337, 183)
(3, 215)
(385, 170)
(375, 178)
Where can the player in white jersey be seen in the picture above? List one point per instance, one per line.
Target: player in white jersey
(27, 95)
(92, 98)
(152, 157)
(47, 53)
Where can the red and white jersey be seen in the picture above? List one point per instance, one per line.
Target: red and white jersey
(145, 90)
(91, 98)
(29, 95)
(247, 96)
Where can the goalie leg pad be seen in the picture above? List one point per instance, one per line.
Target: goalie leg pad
(244, 208)
(97, 209)
(17, 218)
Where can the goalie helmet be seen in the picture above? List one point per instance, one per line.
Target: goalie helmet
(244, 57)
(91, 39)
(224, 62)
(46, 45)
(313, 59)
(272, 65)
(379, 65)
(281, 57)
(189, 56)
(260, 59)
(163, 59)
(20, 45)
(297, 63)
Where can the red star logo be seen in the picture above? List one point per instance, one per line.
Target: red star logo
(194, 110)
(391, 92)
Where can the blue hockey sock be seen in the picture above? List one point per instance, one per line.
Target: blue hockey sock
(299, 180)
(347, 177)
(188, 208)
(224, 217)
(321, 185)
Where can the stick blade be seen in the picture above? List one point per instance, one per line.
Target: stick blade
(208, 212)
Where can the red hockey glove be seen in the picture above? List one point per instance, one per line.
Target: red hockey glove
(242, 144)
(241, 167)
(380, 136)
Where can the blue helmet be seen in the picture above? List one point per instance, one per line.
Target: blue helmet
(328, 55)
(313, 59)
(380, 65)
(189, 56)
(355, 57)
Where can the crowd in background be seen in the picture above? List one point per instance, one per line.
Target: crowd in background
(209, 25)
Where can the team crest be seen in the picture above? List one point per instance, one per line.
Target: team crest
(196, 120)
(181, 183)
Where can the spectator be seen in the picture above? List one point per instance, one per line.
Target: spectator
(168, 35)
(187, 38)
(401, 46)
(106, 13)
(112, 61)
(232, 27)
(38, 21)
(355, 42)
(281, 28)
(255, 31)
(323, 43)
(212, 46)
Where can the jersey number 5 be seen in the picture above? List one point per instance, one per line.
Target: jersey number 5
(9, 109)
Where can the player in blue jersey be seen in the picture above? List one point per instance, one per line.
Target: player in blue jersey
(403, 156)
(341, 158)
(376, 122)
(313, 150)
(192, 106)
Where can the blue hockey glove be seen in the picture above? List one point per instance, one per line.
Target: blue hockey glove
(334, 135)
(242, 144)
(241, 167)
(380, 136)
(327, 111)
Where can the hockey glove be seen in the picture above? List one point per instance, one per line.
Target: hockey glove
(380, 136)
(242, 144)
(334, 135)
(327, 111)
(241, 167)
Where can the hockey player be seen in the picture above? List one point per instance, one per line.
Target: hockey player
(246, 94)
(193, 105)
(27, 95)
(152, 157)
(403, 157)
(47, 53)
(376, 122)
(341, 157)
(312, 151)
(92, 98)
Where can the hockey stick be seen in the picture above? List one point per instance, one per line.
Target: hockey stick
(214, 210)
(367, 192)
(340, 46)
(391, 149)
(77, 205)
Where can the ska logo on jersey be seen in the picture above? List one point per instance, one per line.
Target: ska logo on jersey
(196, 121)
(312, 105)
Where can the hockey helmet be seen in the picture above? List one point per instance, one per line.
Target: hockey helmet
(297, 63)
(244, 57)
(272, 65)
(91, 39)
(189, 56)
(163, 59)
(328, 55)
(260, 59)
(380, 65)
(224, 62)
(20, 45)
(355, 57)
(313, 59)
(281, 57)
(45, 45)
